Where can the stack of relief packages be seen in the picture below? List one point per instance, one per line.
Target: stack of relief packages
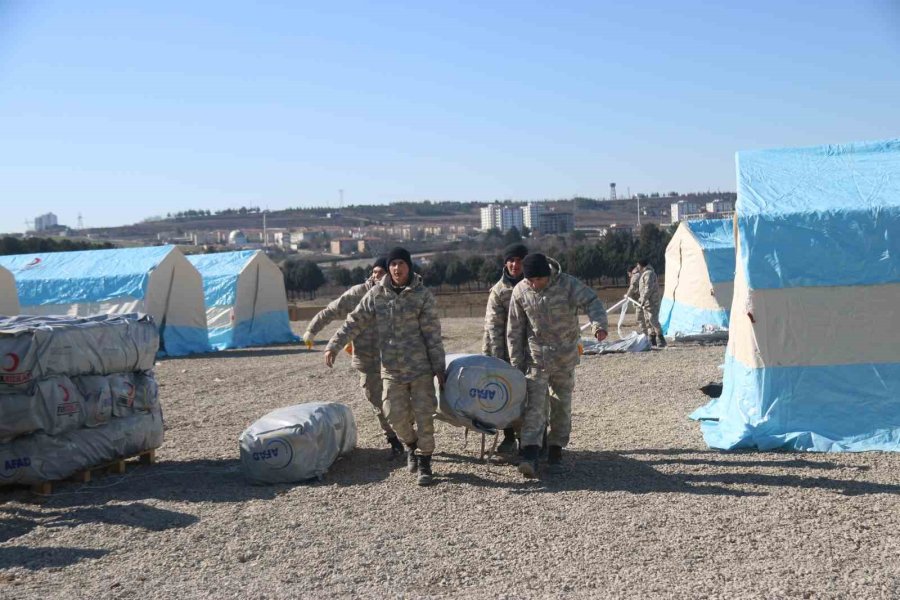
(75, 393)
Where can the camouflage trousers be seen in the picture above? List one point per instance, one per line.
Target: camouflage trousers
(551, 389)
(372, 388)
(408, 403)
(648, 319)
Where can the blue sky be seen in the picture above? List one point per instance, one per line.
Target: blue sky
(125, 110)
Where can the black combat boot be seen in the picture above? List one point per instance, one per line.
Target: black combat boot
(412, 461)
(653, 340)
(396, 445)
(554, 459)
(662, 341)
(528, 466)
(508, 445)
(543, 451)
(425, 476)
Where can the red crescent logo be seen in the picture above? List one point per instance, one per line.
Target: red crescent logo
(65, 392)
(15, 362)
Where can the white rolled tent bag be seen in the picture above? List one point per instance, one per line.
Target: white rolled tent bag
(481, 392)
(297, 442)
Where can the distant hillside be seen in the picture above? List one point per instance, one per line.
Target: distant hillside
(590, 212)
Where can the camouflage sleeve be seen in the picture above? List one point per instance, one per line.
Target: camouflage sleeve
(338, 308)
(495, 327)
(586, 299)
(430, 326)
(643, 287)
(633, 291)
(516, 334)
(363, 316)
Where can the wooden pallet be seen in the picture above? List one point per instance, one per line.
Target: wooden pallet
(117, 466)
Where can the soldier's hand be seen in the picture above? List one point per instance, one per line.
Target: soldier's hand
(330, 355)
(601, 335)
(441, 378)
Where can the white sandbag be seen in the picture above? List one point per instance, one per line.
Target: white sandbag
(298, 442)
(481, 392)
(40, 457)
(34, 348)
(53, 405)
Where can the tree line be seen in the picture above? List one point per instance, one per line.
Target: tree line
(606, 261)
(32, 245)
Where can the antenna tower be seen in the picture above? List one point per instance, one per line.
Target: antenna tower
(80, 222)
(612, 192)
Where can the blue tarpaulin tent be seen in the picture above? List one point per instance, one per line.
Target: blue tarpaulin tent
(813, 358)
(156, 280)
(246, 303)
(699, 277)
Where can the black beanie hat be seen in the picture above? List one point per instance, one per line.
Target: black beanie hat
(382, 262)
(514, 251)
(399, 253)
(535, 265)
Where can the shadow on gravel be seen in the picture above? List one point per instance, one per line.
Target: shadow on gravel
(363, 466)
(34, 559)
(17, 522)
(610, 471)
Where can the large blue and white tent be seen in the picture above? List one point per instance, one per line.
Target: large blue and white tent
(9, 297)
(246, 303)
(699, 277)
(157, 280)
(813, 358)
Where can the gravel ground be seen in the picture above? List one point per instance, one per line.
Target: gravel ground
(645, 509)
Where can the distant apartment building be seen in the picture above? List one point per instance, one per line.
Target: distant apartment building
(614, 228)
(504, 218)
(684, 210)
(343, 246)
(720, 206)
(531, 215)
(555, 223)
(45, 222)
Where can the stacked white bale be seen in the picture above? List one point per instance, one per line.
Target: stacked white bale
(75, 393)
(297, 442)
(481, 392)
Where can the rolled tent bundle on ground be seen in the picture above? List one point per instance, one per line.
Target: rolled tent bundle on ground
(813, 359)
(699, 277)
(246, 303)
(9, 297)
(157, 280)
(297, 442)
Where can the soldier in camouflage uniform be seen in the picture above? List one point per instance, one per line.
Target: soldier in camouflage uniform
(403, 314)
(494, 341)
(634, 293)
(650, 299)
(365, 348)
(543, 310)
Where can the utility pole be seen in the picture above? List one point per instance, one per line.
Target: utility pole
(639, 211)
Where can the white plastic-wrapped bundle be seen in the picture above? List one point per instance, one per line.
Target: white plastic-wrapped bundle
(53, 405)
(481, 392)
(298, 442)
(34, 348)
(39, 457)
(125, 393)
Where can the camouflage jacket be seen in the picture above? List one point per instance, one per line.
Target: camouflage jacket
(649, 288)
(407, 328)
(494, 339)
(634, 291)
(548, 319)
(365, 346)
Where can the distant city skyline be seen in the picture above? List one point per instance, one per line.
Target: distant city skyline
(138, 109)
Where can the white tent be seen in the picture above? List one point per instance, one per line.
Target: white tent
(9, 298)
(246, 303)
(699, 277)
(156, 280)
